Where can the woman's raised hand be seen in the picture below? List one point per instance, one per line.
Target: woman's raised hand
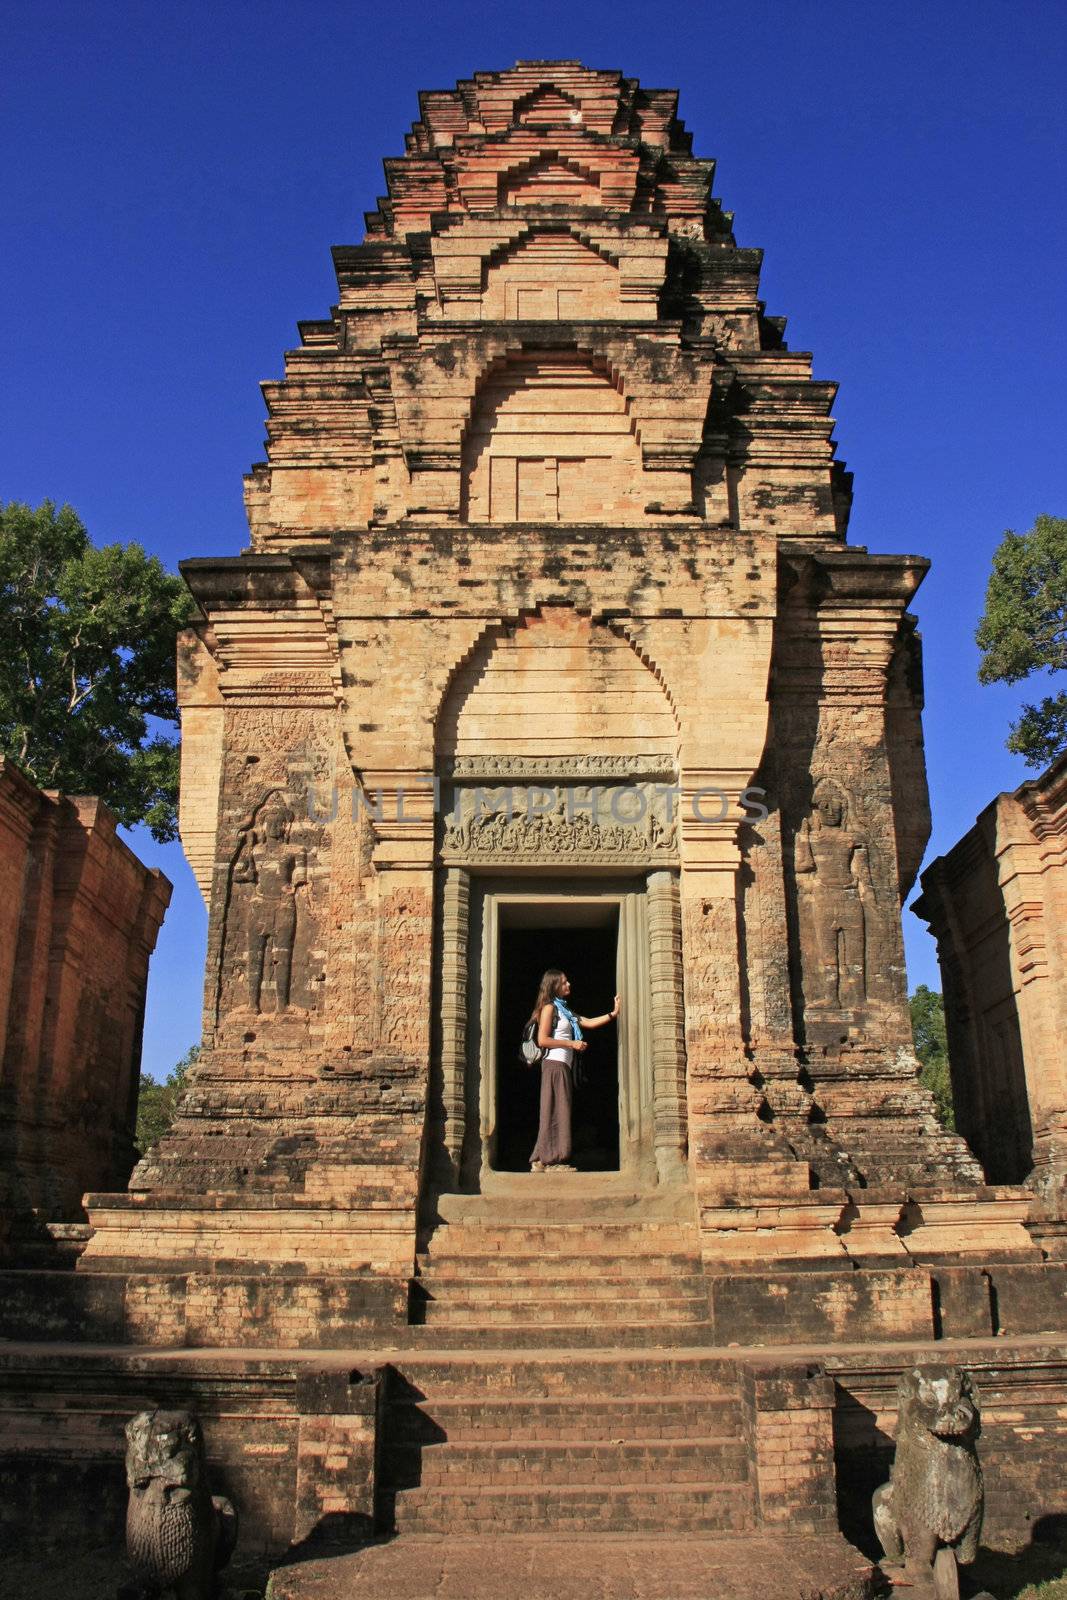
(617, 1007)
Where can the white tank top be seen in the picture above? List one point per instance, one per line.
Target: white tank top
(562, 1030)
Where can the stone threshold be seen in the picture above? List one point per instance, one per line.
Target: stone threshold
(579, 1567)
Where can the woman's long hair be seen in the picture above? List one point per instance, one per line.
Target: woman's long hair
(547, 991)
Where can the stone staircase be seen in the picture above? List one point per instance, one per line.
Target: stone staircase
(48, 1246)
(569, 1445)
(563, 1267)
(596, 1427)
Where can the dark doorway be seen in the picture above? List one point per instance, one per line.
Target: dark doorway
(583, 941)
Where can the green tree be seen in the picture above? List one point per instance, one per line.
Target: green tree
(931, 1048)
(1024, 631)
(157, 1103)
(87, 640)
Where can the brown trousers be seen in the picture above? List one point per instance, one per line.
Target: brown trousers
(554, 1130)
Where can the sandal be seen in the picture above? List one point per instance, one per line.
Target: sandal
(537, 1166)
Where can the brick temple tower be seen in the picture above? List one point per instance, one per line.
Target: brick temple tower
(548, 647)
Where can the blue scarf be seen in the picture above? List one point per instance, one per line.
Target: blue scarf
(565, 1011)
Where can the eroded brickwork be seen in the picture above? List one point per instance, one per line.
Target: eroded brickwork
(997, 905)
(79, 915)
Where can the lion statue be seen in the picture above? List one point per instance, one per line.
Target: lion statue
(930, 1511)
(178, 1535)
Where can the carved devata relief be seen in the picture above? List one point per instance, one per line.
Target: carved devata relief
(838, 905)
(764, 954)
(270, 919)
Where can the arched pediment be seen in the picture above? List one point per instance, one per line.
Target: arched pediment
(550, 276)
(545, 106)
(604, 271)
(551, 439)
(555, 684)
(549, 180)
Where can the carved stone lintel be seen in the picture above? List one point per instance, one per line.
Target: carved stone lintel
(572, 825)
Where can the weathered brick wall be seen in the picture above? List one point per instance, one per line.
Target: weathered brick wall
(788, 1416)
(299, 1449)
(285, 1308)
(294, 1448)
(79, 916)
(997, 905)
(337, 1454)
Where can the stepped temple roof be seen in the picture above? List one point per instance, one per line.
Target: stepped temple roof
(547, 233)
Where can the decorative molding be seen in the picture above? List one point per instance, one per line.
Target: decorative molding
(668, 1017)
(480, 767)
(455, 934)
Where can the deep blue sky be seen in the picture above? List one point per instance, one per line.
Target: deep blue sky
(173, 178)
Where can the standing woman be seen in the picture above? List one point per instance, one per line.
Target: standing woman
(559, 1034)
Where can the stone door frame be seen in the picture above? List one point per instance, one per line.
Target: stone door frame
(652, 1097)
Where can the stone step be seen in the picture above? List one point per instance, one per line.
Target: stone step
(74, 1233)
(565, 1238)
(771, 1565)
(523, 1286)
(576, 1418)
(613, 1465)
(588, 1199)
(532, 1336)
(50, 1246)
(634, 1509)
(435, 1375)
(546, 1310)
(554, 1265)
(576, 1196)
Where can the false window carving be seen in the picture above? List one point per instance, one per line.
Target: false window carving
(551, 440)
